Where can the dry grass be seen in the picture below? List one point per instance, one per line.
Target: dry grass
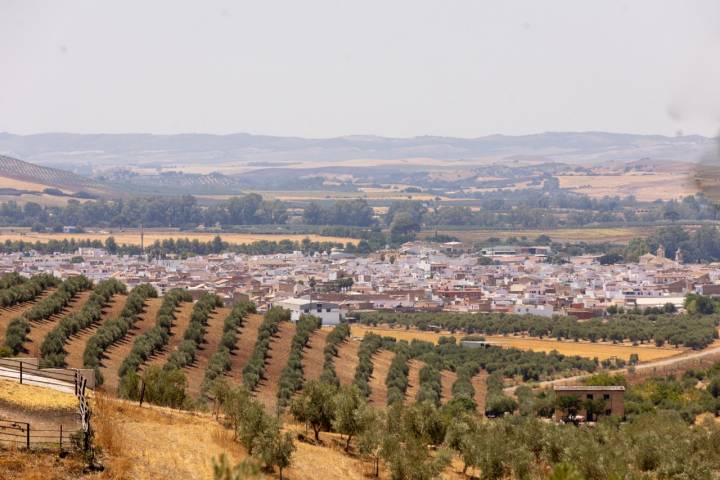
(21, 465)
(36, 398)
(566, 347)
(132, 237)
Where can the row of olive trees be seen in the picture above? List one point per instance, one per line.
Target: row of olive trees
(52, 348)
(195, 332)
(158, 336)
(292, 375)
(220, 361)
(696, 329)
(10, 280)
(255, 368)
(25, 291)
(115, 329)
(19, 327)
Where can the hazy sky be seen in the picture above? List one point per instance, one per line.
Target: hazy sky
(392, 67)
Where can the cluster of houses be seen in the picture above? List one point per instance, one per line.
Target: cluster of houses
(418, 276)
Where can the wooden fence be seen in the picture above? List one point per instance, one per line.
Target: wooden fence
(25, 435)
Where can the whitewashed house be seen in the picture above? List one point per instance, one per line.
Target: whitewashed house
(328, 312)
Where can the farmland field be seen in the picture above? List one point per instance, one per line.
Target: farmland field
(589, 235)
(132, 236)
(584, 349)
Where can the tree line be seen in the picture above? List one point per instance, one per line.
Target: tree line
(693, 330)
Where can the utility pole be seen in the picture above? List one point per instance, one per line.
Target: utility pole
(142, 240)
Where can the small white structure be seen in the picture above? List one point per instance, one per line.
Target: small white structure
(328, 312)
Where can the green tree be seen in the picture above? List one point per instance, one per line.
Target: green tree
(349, 413)
(315, 405)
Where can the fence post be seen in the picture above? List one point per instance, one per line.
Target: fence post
(61, 438)
(142, 391)
(27, 436)
(76, 383)
(21, 372)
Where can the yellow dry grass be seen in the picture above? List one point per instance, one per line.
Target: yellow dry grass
(645, 186)
(602, 351)
(132, 237)
(158, 443)
(36, 398)
(6, 182)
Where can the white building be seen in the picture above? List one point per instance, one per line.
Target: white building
(328, 312)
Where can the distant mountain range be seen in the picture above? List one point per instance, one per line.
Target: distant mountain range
(86, 153)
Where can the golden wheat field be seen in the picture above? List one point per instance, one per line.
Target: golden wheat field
(132, 237)
(602, 351)
(645, 187)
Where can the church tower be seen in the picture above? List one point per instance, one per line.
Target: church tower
(680, 256)
(660, 251)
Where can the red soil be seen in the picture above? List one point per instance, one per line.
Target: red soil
(413, 380)
(479, 383)
(346, 361)
(381, 364)
(447, 379)
(313, 356)
(280, 344)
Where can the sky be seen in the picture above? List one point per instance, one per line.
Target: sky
(324, 68)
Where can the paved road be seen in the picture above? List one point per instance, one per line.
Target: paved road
(37, 380)
(665, 362)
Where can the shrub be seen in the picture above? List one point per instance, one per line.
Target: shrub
(255, 368)
(19, 327)
(220, 361)
(158, 336)
(162, 387)
(53, 347)
(115, 329)
(291, 378)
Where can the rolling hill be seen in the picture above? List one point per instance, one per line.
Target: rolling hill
(22, 178)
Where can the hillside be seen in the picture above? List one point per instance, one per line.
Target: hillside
(19, 178)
